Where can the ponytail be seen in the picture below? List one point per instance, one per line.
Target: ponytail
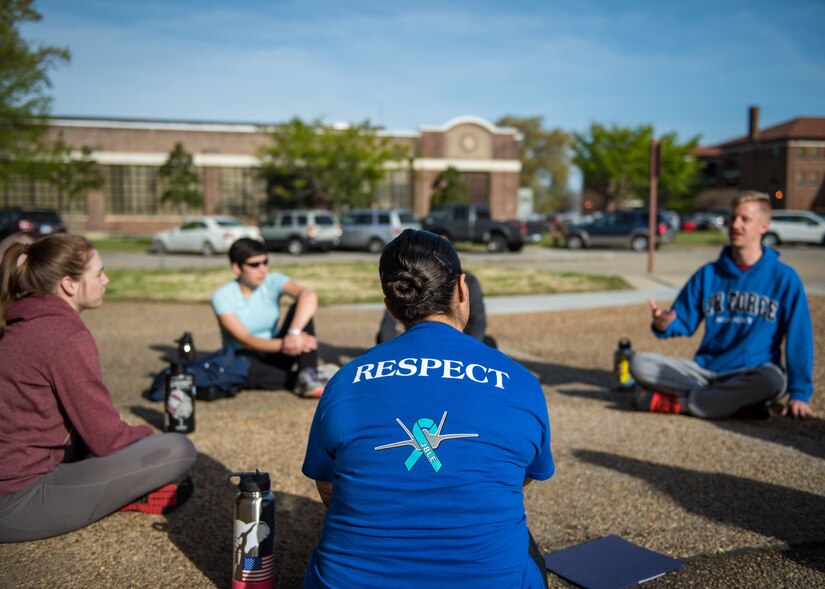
(37, 268)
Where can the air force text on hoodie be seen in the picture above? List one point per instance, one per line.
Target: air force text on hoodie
(747, 314)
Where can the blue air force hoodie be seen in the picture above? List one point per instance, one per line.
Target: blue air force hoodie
(747, 314)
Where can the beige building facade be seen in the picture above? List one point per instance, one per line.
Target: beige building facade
(130, 153)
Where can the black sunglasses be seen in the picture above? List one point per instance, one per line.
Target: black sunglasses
(263, 262)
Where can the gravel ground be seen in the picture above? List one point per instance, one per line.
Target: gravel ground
(742, 501)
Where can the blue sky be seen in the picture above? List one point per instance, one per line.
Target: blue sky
(690, 67)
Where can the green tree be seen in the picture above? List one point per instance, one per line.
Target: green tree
(545, 160)
(72, 174)
(180, 180)
(24, 104)
(680, 172)
(330, 165)
(449, 188)
(615, 161)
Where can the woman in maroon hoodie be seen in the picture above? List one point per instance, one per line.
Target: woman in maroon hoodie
(67, 458)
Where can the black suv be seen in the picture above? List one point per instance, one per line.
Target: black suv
(619, 228)
(36, 222)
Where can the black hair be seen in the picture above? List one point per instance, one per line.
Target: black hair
(245, 248)
(419, 271)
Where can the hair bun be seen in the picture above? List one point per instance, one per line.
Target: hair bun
(406, 287)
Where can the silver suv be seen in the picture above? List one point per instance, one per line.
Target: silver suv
(297, 231)
(372, 229)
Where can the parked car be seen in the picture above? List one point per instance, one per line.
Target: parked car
(719, 219)
(34, 221)
(297, 231)
(619, 228)
(472, 222)
(205, 234)
(372, 229)
(536, 226)
(673, 219)
(789, 226)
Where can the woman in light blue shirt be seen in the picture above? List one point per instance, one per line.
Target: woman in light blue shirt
(248, 311)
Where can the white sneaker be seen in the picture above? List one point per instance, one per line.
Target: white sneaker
(309, 384)
(327, 371)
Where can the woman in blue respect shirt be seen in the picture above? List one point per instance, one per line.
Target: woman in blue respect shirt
(421, 448)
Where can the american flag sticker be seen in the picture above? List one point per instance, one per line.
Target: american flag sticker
(258, 568)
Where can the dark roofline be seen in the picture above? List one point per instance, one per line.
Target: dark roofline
(154, 120)
(797, 128)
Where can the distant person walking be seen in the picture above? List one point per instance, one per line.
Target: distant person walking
(750, 303)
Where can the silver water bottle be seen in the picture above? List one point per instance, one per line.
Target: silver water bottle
(253, 565)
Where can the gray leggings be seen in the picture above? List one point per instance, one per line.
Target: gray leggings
(76, 494)
(710, 394)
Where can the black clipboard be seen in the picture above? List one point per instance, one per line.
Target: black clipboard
(609, 563)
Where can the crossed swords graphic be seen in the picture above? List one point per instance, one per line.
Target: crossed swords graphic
(433, 440)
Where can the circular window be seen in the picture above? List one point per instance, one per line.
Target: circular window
(468, 142)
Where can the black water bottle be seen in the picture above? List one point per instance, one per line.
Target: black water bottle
(253, 555)
(186, 348)
(621, 365)
(179, 399)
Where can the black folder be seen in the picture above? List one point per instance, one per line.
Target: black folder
(609, 563)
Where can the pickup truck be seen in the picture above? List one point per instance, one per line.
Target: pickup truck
(472, 222)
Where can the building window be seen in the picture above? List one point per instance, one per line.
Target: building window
(395, 190)
(800, 153)
(478, 184)
(135, 190)
(730, 171)
(775, 152)
(813, 179)
(30, 191)
(243, 192)
(815, 151)
(799, 179)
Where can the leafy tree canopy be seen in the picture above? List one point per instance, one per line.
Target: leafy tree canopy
(615, 161)
(72, 174)
(449, 188)
(24, 104)
(330, 165)
(545, 160)
(180, 180)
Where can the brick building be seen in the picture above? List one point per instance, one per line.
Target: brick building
(130, 153)
(786, 161)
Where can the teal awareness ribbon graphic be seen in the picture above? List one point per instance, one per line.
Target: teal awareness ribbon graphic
(425, 423)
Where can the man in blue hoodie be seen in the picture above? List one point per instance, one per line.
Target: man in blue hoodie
(750, 302)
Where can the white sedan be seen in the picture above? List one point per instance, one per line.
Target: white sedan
(206, 234)
(789, 226)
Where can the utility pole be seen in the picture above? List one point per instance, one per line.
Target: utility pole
(653, 226)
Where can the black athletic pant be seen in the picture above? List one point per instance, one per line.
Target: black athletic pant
(535, 554)
(277, 370)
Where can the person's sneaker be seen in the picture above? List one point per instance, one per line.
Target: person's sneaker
(658, 402)
(327, 371)
(309, 384)
(163, 500)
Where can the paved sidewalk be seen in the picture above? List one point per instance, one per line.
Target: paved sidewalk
(557, 302)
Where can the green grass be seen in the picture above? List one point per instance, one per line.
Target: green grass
(699, 238)
(354, 282)
(123, 244)
(684, 239)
